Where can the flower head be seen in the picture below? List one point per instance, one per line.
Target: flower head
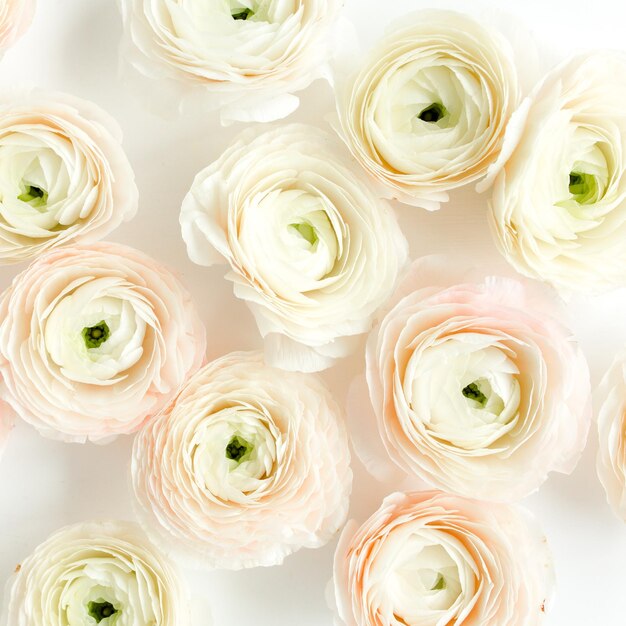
(427, 109)
(311, 248)
(246, 466)
(64, 177)
(558, 208)
(103, 573)
(476, 387)
(94, 340)
(431, 559)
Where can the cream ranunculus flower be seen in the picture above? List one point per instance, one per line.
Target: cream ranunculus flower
(94, 340)
(64, 177)
(611, 396)
(250, 55)
(476, 387)
(103, 573)
(559, 202)
(246, 466)
(432, 559)
(427, 109)
(15, 18)
(312, 249)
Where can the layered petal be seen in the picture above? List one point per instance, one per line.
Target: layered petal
(94, 340)
(247, 56)
(611, 398)
(475, 386)
(558, 209)
(311, 248)
(15, 18)
(246, 466)
(426, 110)
(104, 573)
(432, 559)
(64, 177)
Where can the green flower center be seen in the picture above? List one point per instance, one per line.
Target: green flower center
(584, 187)
(95, 336)
(473, 392)
(440, 583)
(433, 113)
(34, 195)
(306, 231)
(242, 14)
(238, 449)
(101, 610)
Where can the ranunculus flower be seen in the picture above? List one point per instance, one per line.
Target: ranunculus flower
(64, 177)
(248, 56)
(94, 340)
(15, 18)
(104, 573)
(312, 249)
(559, 202)
(611, 396)
(246, 466)
(427, 109)
(432, 559)
(475, 386)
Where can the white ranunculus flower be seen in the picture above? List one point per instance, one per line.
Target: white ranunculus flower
(611, 463)
(558, 208)
(99, 573)
(64, 177)
(427, 109)
(434, 559)
(312, 249)
(94, 340)
(475, 384)
(246, 466)
(249, 55)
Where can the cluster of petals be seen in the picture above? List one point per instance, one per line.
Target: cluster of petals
(246, 466)
(64, 177)
(427, 109)
(96, 573)
(476, 387)
(312, 249)
(94, 340)
(434, 559)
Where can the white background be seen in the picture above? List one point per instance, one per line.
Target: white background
(72, 46)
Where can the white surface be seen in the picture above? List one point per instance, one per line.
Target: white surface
(72, 46)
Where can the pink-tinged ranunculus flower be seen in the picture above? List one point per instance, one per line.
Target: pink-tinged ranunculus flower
(427, 108)
(15, 18)
(476, 387)
(312, 249)
(64, 177)
(104, 573)
(611, 396)
(558, 209)
(94, 340)
(246, 466)
(247, 57)
(433, 559)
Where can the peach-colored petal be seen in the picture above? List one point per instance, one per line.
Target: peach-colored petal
(15, 18)
(246, 466)
(432, 559)
(64, 177)
(611, 396)
(476, 387)
(76, 388)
